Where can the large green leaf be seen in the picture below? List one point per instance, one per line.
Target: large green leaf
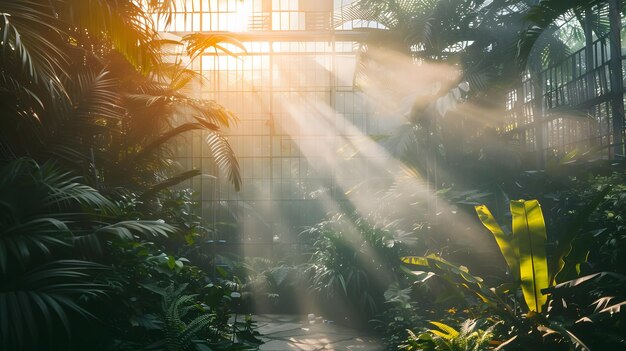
(126, 229)
(39, 208)
(170, 182)
(224, 157)
(530, 230)
(446, 332)
(457, 276)
(22, 241)
(507, 243)
(38, 302)
(31, 43)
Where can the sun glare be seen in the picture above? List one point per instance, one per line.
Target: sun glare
(242, 16)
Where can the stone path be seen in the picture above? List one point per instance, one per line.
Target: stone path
(289, 332)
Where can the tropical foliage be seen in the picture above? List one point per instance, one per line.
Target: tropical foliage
(102, 248)
(445, 337)
(525, 308)
(569, 240)
(488, 47)
(91, 236)
(354, 262)
(85, 82)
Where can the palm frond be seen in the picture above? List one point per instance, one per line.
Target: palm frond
(198, 43)
(9, 84)
(96, 96)
(92, 116)
(127, 229)
(63, 188)
(224, 158)
(182, 77)
(56, 187)
(162, 139)
(208, 112)
(402, 140)
(357, 12)
(172, 181)
(38, 203)
(164, 10)
(47, 293)
(541, 18)
(20, 241)
(31, 41)
(547, 11)
(124, 24)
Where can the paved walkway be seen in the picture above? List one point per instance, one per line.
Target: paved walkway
(289, 332)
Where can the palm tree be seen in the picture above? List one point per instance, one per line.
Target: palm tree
(50, 225)
(539, 46)
(477, 38)
(492, 43)
(84, 91)
(84, 82)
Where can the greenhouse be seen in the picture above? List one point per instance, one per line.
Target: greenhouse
(278, 175)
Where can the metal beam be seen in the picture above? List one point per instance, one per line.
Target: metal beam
(291, 35)
(617, 89)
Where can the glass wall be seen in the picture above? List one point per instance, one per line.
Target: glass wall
(569, 106)
(300, 117)
(250, 15)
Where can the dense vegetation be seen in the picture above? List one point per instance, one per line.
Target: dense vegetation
(552, 279)
(558, 282)
(98, 252)
(92, 242)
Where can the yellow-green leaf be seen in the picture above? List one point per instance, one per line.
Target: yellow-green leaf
(171, 262)
(415, 260)
(447, 332)
(530, 230)
(507, 244)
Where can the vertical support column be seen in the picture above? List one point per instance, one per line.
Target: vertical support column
(272, 135)
(518, 113)
(333, 104)
(615, 66)
(589, 57)
(538, 116)
(589, 73)
(267, 9)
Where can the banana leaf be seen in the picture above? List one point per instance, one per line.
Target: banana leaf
(530, 230)
(507, 243)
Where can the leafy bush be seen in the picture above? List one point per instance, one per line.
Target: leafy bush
(445, 338)
(275, 289)
(145, 272)
(66, 259)
(353, 263)
(577, 313)
(50, 225)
